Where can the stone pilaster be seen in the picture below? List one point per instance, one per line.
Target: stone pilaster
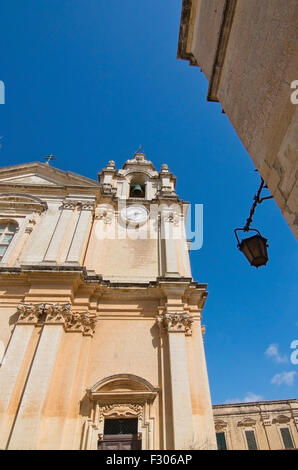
(80, 234)
(9, 372)
(56, 318)
(169, 222)
(26, 428)
(58, 234)
(176, 325)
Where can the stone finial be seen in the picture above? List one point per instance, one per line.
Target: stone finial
(164, 168)
(139, 160)
(111, 165)
(140, 157)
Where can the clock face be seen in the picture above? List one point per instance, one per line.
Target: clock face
(134, 214)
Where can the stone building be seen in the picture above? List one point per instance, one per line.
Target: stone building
(248, 52)
(263, 425)
(100, 319)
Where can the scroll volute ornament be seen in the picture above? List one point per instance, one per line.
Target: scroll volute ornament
(126, 410)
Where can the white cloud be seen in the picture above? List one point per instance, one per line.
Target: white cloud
(273, 353)
(252, 397)
(232, 400)
(248, 398)
(286, 378)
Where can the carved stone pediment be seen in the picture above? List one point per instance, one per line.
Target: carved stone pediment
(281, 419)
(122, 388)
(247, 422)
(220, 425)
(18, 202)
(40, 174)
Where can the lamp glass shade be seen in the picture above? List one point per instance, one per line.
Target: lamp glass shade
(255, 250)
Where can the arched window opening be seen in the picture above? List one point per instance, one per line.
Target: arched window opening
(7, 232)
(137, 186)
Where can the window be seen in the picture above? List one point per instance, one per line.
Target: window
(286, 437)
(251, 440)
(7, 231)
(221, 441)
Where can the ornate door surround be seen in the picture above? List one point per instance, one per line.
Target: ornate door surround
(120, 396)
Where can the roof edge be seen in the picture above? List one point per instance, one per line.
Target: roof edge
(186, 32)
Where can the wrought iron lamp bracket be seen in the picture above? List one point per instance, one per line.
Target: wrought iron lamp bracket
(257, 200)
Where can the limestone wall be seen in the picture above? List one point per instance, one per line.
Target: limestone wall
(248, 52)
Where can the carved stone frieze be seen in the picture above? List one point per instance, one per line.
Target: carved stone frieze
(119, 410)
(87, 206)
(71, 205)
(82, 322)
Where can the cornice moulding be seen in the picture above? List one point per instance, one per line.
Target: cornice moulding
(222, 45)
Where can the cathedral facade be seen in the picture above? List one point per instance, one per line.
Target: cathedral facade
(101, 334)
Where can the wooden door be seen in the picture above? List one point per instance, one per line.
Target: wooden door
(120, 434)
(120, 442)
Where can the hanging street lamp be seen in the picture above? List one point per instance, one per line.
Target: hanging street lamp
(255, 247)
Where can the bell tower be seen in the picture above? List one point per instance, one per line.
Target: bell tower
(138, 242)
(139, 232)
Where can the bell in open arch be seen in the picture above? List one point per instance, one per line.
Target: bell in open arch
(137, 190)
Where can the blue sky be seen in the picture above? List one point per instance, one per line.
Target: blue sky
(90, 80)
